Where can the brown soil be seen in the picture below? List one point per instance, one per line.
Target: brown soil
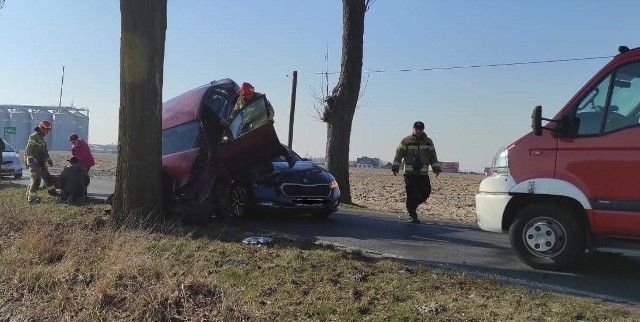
(452, 197)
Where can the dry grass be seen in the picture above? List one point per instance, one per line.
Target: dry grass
(61, 262)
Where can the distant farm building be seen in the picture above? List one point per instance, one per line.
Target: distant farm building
(18, 121)
(367, 162)
(451, 167)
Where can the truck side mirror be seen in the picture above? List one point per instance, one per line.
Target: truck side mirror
(536, 120)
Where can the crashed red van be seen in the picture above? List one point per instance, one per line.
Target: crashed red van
(200, 156)
(214, 170)
(573, 185)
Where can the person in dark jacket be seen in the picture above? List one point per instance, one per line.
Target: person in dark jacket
(418, 153)
(73, 181)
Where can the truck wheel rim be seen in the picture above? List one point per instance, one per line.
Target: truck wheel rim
(544, 237)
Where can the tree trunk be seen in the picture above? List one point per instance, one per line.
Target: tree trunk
(138, 192)
(341, 104)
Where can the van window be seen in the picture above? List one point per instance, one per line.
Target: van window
(591, 110)
(180, 138)
(624, 106)
(217, 102)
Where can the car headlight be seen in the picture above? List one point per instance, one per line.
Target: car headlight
(500, 164)
(333, 184)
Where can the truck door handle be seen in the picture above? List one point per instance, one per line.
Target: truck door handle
(536, 152)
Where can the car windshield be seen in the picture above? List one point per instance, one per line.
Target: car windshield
(250, 117)
(7, 147)
(294, 155)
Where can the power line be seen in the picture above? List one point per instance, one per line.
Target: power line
(466, 66)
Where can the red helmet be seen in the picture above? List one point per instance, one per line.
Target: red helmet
(45, 125)
(246, 91)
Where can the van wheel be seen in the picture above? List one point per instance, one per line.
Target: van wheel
(546, 236)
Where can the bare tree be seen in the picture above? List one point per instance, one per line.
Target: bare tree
(1, 4)
(341, 104)
(139, 171)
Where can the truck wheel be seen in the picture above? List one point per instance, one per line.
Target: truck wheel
(546, 236)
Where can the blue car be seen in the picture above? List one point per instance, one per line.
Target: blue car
(304, 188)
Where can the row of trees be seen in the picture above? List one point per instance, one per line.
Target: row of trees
(142, 43)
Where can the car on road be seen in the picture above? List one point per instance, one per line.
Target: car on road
(304, 188)
(214, 169)
(11, 165)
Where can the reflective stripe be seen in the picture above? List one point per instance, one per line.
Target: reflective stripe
(401, 147)
(408, 169)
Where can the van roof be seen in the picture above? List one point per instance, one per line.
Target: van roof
(184, 107)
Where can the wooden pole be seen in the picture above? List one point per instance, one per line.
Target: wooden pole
(294, 85)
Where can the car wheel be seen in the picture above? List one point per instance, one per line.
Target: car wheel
(238, 199)
(232, 200)
(17, 175)
(547, 236)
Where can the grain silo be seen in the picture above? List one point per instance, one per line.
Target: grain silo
(82, 126)
(21, 120)
(39, 115)
(64, 123)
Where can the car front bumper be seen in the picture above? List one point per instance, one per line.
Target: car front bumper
(271, 200)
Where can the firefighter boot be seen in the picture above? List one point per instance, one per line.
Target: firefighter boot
(413, 217)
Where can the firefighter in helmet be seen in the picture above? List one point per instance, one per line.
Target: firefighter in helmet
(36, 156)
(418, 153)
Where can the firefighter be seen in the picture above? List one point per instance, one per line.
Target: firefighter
(418, 153)
(36, 156)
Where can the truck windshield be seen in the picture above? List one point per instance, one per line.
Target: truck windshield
(609, 107)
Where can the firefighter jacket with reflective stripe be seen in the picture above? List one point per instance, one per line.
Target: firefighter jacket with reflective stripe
(417, 150)
(36, 148)
(241, 103)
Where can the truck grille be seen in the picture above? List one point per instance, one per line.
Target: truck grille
(298, 190)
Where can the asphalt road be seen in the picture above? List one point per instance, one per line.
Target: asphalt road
(449, 246)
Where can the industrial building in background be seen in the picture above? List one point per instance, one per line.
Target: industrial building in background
(18, 121)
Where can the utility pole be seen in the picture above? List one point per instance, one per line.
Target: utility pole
(294, 85)
(61, 84)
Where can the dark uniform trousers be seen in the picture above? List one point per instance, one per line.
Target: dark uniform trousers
(418, 189)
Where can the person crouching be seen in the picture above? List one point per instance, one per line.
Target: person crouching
(73, 182)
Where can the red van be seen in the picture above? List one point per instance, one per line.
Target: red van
(574, 184)
(201, 158)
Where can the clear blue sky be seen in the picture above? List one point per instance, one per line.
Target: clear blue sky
(469, 113)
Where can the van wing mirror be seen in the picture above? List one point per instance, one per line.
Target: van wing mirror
(536, 120)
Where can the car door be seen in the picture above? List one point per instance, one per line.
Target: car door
(251, 138)
(603, 154)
